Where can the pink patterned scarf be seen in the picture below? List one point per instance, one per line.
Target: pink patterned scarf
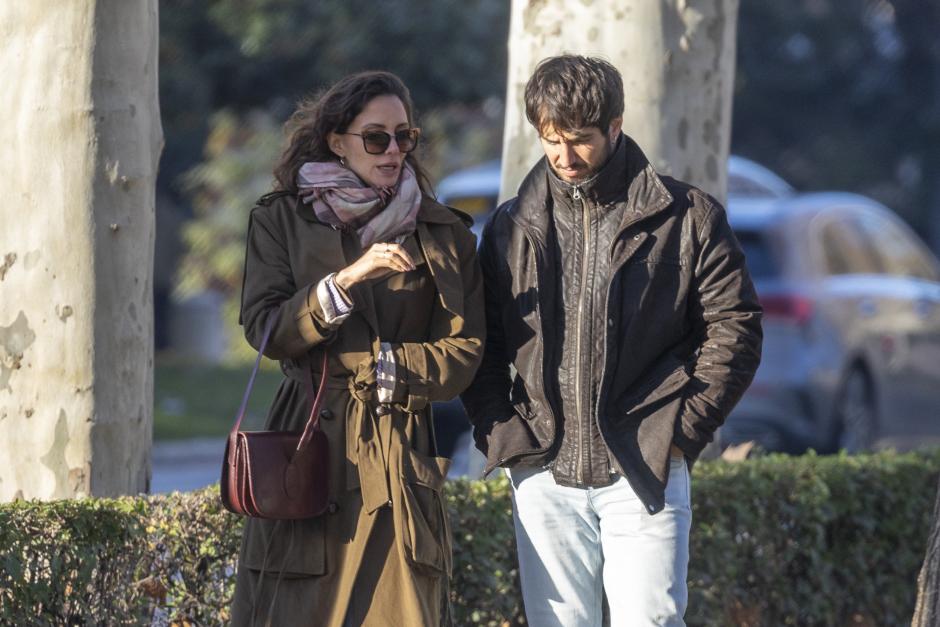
(342, 199)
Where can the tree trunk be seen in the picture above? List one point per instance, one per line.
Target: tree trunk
(677, 62)
(927, 610)
(80, 139)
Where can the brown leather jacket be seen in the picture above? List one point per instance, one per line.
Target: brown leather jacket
(681, 328)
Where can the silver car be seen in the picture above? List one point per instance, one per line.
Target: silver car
(851, 297)
(851, 302)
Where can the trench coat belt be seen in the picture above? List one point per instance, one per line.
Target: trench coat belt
(369, 436)
(373, 437)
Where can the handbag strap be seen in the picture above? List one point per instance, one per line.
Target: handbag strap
(313, 421)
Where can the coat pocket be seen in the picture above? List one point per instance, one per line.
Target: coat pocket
(294, 547)
(663, 383)
(422, 514)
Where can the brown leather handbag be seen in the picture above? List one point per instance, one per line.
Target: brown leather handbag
(281, 475)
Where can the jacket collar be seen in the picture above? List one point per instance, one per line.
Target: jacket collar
(627, 178)
(438, 248)
(607, 185)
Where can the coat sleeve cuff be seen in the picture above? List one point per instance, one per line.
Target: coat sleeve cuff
(409, 388)
(386, 375)
(336, 304)
(310, 316)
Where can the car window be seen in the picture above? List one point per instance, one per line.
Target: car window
(899, 253)
(760, 259)
(846, 248)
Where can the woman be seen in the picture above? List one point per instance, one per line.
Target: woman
(353, 257)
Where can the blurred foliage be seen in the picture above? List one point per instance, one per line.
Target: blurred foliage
(266, 54)
(831, 94)
(187, 559)
(830, 540)
(162, 560)
(485, 585)
(776, 541)
(234, 173)
(239, 152)
(61, 563)
(199, 400)
(844, 94)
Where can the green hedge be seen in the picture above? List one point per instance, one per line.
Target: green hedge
(776, 541)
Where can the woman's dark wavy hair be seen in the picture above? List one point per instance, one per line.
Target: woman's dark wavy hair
(309, 127)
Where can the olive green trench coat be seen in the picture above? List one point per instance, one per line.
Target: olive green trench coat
(381, 555)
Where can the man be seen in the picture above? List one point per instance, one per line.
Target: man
(621, 299)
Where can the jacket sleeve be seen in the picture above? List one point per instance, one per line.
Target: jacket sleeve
(727, 318)
(268, 289)
(487, 400)
(439, 369)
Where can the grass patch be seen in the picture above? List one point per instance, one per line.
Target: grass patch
(199, 400)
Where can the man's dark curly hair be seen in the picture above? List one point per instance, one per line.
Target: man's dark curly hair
(570, 91)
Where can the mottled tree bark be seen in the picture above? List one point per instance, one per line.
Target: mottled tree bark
(80, 139)
(677, 62)
(927, 611)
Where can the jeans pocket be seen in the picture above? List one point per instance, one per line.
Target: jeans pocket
(422, 514)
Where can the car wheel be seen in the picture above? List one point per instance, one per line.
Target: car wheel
(856, 412)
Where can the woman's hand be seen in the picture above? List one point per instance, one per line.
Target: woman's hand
(378, 261)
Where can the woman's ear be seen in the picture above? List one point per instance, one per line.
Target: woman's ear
(335, 143)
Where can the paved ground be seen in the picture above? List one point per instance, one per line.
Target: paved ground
(186, 464)
(190, 464)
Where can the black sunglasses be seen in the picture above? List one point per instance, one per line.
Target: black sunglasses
(377, 142)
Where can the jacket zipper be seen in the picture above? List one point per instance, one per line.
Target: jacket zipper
(579, 405)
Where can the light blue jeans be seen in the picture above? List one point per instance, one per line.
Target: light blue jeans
(576, 543)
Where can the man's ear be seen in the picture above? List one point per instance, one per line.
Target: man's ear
(614, 131)
(335, 143)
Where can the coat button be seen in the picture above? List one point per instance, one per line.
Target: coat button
(326, 414)
(610, 323)
(332, 508)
